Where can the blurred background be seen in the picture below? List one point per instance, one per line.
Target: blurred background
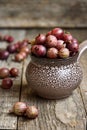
(43, 15)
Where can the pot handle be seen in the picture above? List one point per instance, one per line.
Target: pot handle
(82, 48)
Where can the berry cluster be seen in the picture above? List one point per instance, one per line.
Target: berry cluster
(6, 38)
(20, 47)
(22, 109)
(5, 73)
(23, 50)
(55, 44)
(4, 54)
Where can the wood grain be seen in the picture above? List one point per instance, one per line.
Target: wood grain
(9, 97)
(83, 86)
(45, 13)
(66, 114)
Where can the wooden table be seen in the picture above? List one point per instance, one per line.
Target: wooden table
(25, 19)
(66, 114)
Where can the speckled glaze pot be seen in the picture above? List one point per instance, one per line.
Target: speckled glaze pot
(55, 78)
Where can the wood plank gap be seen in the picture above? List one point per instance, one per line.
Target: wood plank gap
(83, 101)
(21, 81)
(83, 106)
(41, 27)
(20, 90)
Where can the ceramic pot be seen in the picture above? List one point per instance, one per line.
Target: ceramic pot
(55, 78)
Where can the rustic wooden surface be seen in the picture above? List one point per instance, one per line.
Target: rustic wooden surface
(43, 13)
(8, 97)
(66, 114)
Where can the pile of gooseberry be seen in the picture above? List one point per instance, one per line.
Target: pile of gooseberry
(55, 44)
(20, 48)
(22, 109)
(5, 74)
(21, 51)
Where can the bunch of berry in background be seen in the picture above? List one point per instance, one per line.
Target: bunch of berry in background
(5, 73)
(20, 50)
(55, 44)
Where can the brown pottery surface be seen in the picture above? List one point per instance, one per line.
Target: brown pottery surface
(53, 78)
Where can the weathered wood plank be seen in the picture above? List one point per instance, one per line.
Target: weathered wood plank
(46, 13)
(67, 114)
(9, 97)
(83, 85)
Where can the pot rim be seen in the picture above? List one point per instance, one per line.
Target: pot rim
(71, 58)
